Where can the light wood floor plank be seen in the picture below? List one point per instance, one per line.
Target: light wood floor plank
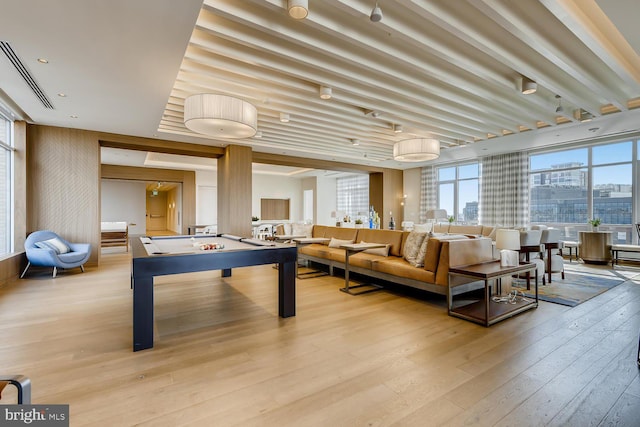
(223, 357)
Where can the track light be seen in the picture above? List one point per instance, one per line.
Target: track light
(376, 14)
(528, 86)
(582, 115)
(284, 117)
(354, 141)
(325, 92)
(298, 9)
(560, 108)
(372, 113)
(397, 128)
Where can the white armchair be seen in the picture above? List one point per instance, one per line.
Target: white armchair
(554, 262)
(530, 251)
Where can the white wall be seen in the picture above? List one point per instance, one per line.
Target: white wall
(277, 187)
(124, 201)
(325, 200)
(411, 187)
(206, 197)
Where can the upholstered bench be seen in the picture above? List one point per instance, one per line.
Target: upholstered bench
(615, 249)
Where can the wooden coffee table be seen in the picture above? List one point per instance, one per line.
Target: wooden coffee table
(486, 311)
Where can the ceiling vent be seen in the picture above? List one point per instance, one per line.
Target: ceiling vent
(28, 78)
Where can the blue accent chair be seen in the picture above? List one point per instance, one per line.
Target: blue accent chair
(48, 257)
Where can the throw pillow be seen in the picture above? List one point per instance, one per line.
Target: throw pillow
(378, 251)
(423, 228)
(412, 246)
(422, 253)
(336, 243)
(57, 245)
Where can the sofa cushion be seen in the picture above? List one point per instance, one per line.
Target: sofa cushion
(341, 233)
(400, 267)
(465, 229)
(413, 247)
(317, 250)
(318, 230)
(361, 259)
(336, 243)
(391, 237)
(55, 244)
(384, 251)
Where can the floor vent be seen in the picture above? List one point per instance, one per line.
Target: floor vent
(28, 78)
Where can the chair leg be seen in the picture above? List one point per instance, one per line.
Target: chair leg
(55, 271)
(562, 274)
(82, 268)
(25, 269)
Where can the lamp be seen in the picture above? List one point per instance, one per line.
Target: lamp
(376, 14)
(582, 115)
(298, 9)
(528, 86)
(416, 150)
(325, 92)
(220, 115)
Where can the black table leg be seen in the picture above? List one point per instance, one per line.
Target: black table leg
(287, 289)
(142, 313)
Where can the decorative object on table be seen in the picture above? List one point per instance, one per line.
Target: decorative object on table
(595, 223)
(358, 223)
(392, 222)
(451, 219)
(254, 219)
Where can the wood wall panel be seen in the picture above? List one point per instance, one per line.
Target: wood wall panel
(234, 191)
(63, 186)
(385, 195)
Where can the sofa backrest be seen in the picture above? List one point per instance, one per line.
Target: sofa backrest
(455, 253)
(465, 229)
(391, 237)
(318, 230)
(342, 233)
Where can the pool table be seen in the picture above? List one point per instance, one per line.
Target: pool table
(159, 256)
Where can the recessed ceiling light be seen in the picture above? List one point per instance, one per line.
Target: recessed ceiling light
(73, 116)
(43, 60)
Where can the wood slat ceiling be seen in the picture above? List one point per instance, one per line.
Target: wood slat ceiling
(442, 69)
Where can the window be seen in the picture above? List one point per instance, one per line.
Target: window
(458, 189)
(572, 186)
(352, 195)
(6, 131)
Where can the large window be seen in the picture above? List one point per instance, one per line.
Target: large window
(352, 195)
(572, 186)
(458, 191)
(6, 128)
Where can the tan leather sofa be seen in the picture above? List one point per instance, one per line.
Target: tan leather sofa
(443, 251)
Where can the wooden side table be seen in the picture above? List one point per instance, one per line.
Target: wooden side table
(486, 311)
(351, 249)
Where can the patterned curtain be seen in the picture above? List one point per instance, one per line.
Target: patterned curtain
(428, 191)
(352, 195)
(504, 191)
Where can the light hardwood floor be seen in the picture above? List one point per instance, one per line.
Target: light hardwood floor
(223, 357)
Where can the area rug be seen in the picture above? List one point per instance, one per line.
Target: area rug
(579, 285)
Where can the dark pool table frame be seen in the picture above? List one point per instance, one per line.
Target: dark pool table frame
(145, 267)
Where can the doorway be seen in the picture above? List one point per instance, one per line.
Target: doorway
(163, 208)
